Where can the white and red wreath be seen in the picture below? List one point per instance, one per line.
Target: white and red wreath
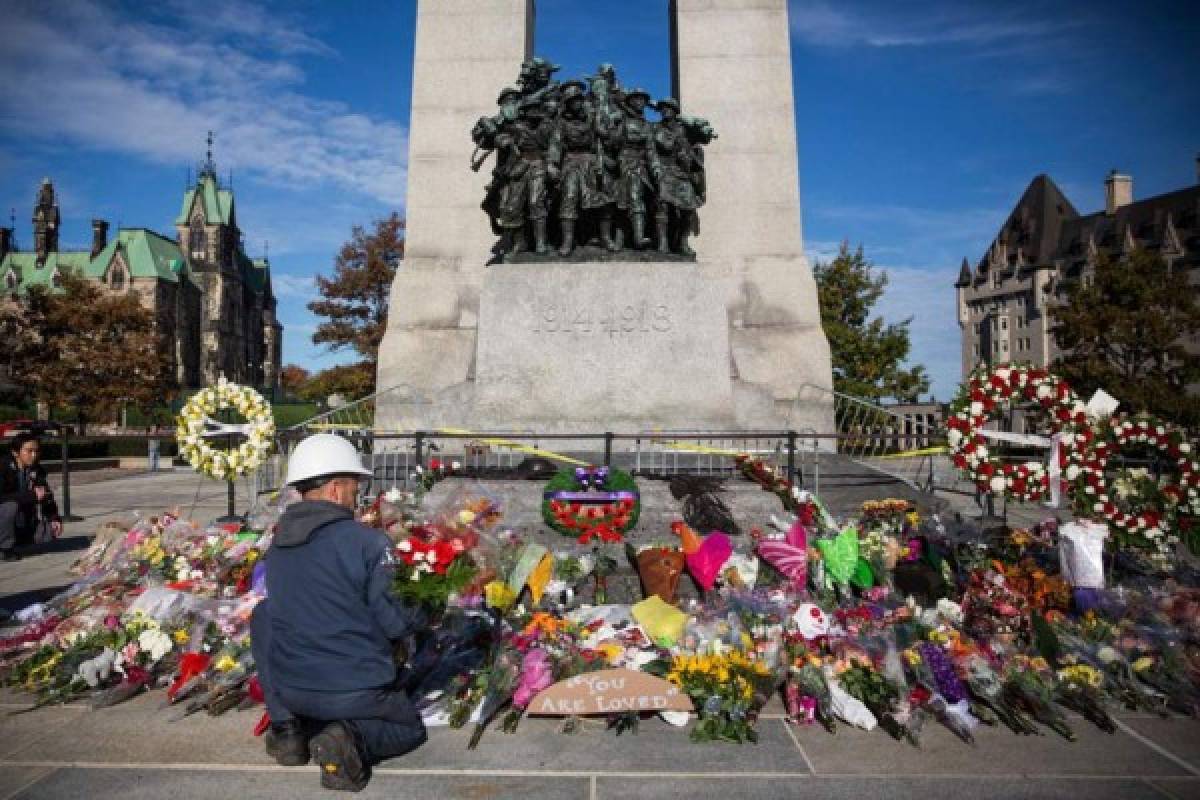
(986, 395)
(1140, 521)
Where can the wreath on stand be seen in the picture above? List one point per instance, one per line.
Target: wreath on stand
(986, 395)
(592, 503)
(196, 429)
(1139, 509)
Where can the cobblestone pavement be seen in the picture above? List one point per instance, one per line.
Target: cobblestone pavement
(135, 751)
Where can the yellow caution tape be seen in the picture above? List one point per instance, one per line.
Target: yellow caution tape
(928, 451)
(520, 448)
(699, 448)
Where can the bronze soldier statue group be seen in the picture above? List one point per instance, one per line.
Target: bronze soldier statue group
(582, 153)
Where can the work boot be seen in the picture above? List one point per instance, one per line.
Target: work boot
(568, 242)
(639, 232)
(341, 762)
(539, 236)
(606, 236)
(287, 743)
(660, 224)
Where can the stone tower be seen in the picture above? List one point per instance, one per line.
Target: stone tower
(209, 237)
(45, 222)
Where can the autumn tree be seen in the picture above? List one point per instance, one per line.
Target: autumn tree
(355, 299)
(96, 351)
(351, 381)
(867, 353)
(292, 378)
(1126, 329)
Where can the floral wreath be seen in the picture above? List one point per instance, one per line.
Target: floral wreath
(989, 391)
(195, 426)
(1146, 522)
(592, 503)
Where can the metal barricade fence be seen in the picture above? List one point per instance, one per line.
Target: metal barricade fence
(667, 452)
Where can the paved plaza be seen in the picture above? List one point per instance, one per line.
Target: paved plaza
(136, 750)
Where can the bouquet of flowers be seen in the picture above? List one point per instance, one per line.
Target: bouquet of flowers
(1080, 688)
(431, 571)
(987, 688)
(1029, 686)
(881, 696)
(727, 690)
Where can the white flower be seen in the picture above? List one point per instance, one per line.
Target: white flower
(155, 642)
(1072, 472)
(394, 496)
(405, 546)
(998, 483)
(976, 408)
(954, 436)
(1185, 447)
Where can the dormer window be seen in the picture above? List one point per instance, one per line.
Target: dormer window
(117, 280)
(10, 280)
(56, 279)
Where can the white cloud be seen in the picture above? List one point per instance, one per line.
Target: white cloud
(927, 296)
(819, 23)
(298, 287)
(84, 74)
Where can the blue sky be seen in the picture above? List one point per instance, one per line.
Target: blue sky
(919, 123)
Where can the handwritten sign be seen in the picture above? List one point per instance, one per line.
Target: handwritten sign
(609, 691)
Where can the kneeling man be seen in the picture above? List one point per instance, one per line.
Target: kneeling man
(323, 638)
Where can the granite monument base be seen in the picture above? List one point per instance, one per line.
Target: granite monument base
(587, 348)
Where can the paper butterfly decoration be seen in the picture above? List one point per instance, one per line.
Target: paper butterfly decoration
(789, 555)
(705, 564)
(840, 554)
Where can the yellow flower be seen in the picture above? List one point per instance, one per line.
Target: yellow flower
(181, 636)
(498, 595)
(1142, 664)
(1038, 664)
(225, 663)
(251, 556)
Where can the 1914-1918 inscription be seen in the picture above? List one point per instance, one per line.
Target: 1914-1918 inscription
(573, 316)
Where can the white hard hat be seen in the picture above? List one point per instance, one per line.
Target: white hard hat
(324, 454)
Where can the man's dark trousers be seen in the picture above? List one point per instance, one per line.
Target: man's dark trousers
(384, 720)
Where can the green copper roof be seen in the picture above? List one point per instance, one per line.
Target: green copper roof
(146, 254)
(218, 202)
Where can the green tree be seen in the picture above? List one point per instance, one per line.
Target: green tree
(292, 379)
(1125, 331)
(867, 353)
(355, 299)
(351, 381)
(96, 350)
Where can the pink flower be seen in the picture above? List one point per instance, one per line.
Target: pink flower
(129, 652)
(537, 673)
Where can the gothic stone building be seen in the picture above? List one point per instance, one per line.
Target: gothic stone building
(1003, 302)
(214, 306)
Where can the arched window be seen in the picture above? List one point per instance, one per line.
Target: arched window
(197, 239)
(117, 279)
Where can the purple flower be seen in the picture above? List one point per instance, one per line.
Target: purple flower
(948, 684)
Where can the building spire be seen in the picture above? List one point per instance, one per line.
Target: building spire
(209, 167)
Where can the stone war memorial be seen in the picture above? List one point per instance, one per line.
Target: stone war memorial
(584, 257)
